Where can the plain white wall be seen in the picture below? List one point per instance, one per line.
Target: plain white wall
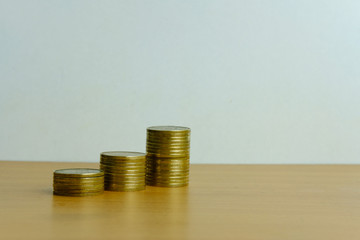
(257, 81)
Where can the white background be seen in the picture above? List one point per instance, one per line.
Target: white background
(257, 81)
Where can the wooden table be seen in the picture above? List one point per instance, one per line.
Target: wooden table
(277, 202)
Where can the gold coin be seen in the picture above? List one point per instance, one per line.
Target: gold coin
(122, 159)
(122, 168)
(168, 175)
(168, 170)
(78, 172)
(168, 152)
(168, 129)
(123, 154)
(167, 141)
(174, 161)
(160, 156)
(61, 189)
(139, 179)
(166, 159)
(168, 167)
(124, 189)
(167, 137)
(60, 181)
(120, 163)
(77, 194)
(72, 185)
(125, 180)
(164, 148)
(148, 180)
(159, 184)
(126, 173)
(69, 191)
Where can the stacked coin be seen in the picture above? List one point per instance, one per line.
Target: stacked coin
(78, 182)
(168, 153)
(124, 171)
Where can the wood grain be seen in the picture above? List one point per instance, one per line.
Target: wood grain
(277, 202)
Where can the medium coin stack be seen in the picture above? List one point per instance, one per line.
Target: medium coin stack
(124, 171)
(78, 182)
(168, 154)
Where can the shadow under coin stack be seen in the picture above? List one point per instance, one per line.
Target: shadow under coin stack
(124, 171)
(78, 182)
(168, 154)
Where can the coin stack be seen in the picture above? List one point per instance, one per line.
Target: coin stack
(78, 182)
(124, 171)
(168, 154)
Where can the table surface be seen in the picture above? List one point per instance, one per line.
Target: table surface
(287, 202)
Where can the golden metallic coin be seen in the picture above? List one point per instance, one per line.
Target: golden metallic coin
(78, 190)
(168, 129)
(159, 184)
(168, 170)
(166, 175)
(70, 191)
(111, 174)
(122, 164)
(127, 173)
(112, 161)
(148, 180)
(152, 152)
(125, 181)
(77, 183)
(161, 148)
(170, 161)
(127, 185)
(156, 155)
(121, 188)
(80, 178)
(167, 179)
(168, 143)
(153, 165)
(123, 178)
(167, 159)
(78, 172)
(168, 167)
(124, 167)
(83, 185)
(123, 154)
(77, 194)
(171, 149)
(167, 139)
(168, 152)
(121, 159)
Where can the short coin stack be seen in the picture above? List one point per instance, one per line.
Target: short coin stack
(78, 182)
(124, 171)
(168, 154)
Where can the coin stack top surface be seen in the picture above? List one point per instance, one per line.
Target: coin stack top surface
(78, 182)
(124, 171)
(168, 156)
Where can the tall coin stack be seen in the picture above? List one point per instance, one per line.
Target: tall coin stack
(78, 182)
(168, 154)
(124, 171)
